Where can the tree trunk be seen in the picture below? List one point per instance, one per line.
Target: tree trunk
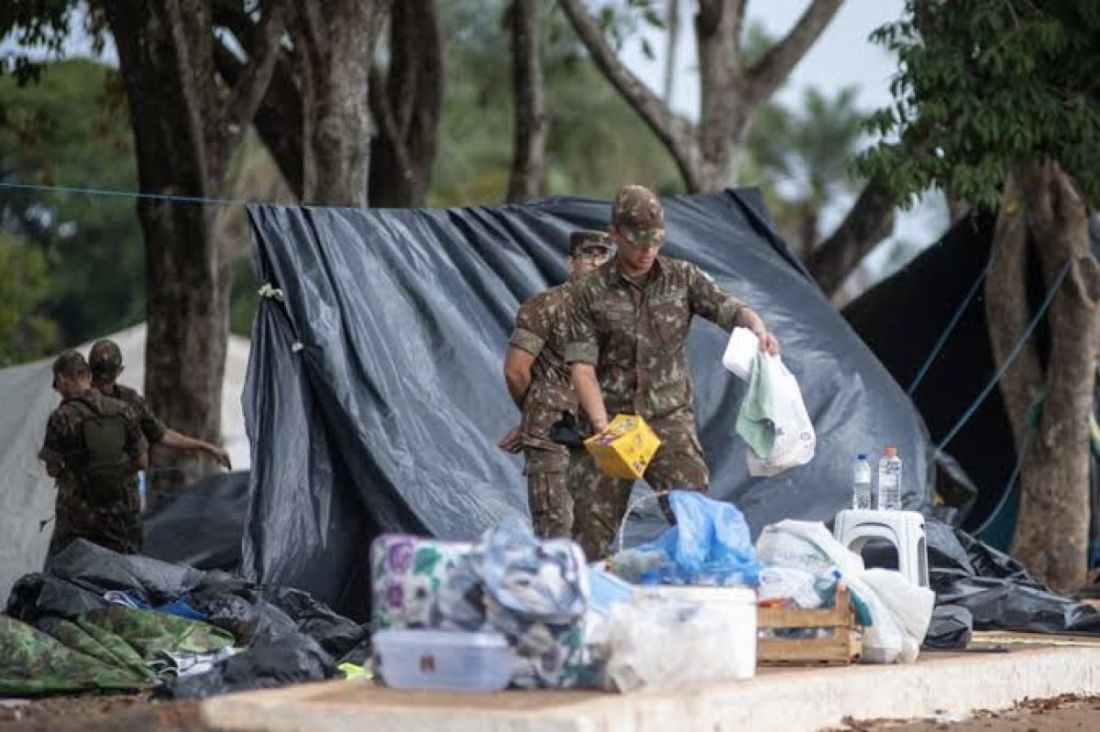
(725, 112)
(407, 105)
(334, 44)
(186, 127)
(673, 30)
(1008, 311)
(1052, 533)
(870, 220)
(528, 178)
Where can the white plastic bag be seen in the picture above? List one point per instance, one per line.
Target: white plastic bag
(795, 440)
(655, 643)
(740, 353)
(900, 611)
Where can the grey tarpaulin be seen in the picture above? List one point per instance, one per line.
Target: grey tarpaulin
(375, 397)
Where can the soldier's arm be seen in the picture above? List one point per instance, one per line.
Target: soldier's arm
(53, 449)
(710, 301)
(582, 354)
(524, 345)
(180, 441)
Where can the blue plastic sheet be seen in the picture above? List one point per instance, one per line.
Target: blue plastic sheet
(709, 545)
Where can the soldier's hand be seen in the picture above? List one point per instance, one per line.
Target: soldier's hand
(511, 441)
(769, 343)
(221, 456)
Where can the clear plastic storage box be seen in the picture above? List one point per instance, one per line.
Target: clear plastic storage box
(443, 660)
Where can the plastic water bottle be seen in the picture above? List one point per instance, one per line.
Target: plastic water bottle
(861, 484)
(141, 489)
(889, 481)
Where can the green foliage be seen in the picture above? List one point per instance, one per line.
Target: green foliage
(71, 128)
(985, 86)
(596, 140)
(25, 333)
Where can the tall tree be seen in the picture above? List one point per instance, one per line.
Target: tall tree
(732, 91)
(998, 102)
(528, 178)
(187, 125)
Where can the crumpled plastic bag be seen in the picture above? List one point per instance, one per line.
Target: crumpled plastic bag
(709, 545)
(535, 592)
(900, 611)
(655, 643)
(773, 420)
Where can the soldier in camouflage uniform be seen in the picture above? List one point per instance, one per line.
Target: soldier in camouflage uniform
(105, 360)
(630, 322)
(539, 382)
(104, 510)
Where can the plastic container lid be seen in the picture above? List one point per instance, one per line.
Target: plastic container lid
(891, 452)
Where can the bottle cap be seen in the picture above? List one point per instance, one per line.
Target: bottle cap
(891, 452)
(861, 456)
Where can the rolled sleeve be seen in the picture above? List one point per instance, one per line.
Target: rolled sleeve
(577, 352)
(526, 340)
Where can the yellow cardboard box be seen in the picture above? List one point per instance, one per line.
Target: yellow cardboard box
(625, 448)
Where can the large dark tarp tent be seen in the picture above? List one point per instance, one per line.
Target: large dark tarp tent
(375, 398)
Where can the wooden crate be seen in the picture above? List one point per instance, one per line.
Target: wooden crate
(842, 647)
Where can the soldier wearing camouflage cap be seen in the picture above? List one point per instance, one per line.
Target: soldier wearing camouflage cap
(105, 360)
(539, 383)
(629, 325)
(93, 447)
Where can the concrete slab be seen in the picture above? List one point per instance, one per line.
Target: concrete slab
(789, 699)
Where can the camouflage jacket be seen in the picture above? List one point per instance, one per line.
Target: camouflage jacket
(63, 447)
(542, 329)
(151, 427)
(634, 333)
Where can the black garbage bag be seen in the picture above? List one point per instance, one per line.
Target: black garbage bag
(292, 658)
(996, 589)
(36, 596)
(99, 569)
(336, 634)
(950, 628)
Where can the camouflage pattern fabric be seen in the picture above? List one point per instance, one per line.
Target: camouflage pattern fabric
(638, 214)
(111, 648)
(634, 333)
(542, 329)
(115, 527)
(678, 464)
(151, 427)
(34, 664)
(152, 634)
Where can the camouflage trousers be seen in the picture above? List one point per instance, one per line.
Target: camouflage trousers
(119, 531)
(678, 464)
(553, 472)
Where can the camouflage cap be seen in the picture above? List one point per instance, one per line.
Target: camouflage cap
(588, 239)
(105, 358)
(638, 215)
(70, 364)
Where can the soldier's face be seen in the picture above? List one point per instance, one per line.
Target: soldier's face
(586, 260)
(636, 255)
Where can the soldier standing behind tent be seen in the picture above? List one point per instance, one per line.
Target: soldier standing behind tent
(105, 360)
(538, 380)
(93, 448)
(630, 323)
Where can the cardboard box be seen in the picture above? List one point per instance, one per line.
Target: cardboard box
(625, 449)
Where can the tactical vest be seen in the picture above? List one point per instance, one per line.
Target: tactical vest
(105, 468)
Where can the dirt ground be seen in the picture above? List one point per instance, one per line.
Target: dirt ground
(100, 713)
(1034, 715)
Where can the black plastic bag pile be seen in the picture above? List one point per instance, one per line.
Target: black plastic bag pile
(287, 636)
